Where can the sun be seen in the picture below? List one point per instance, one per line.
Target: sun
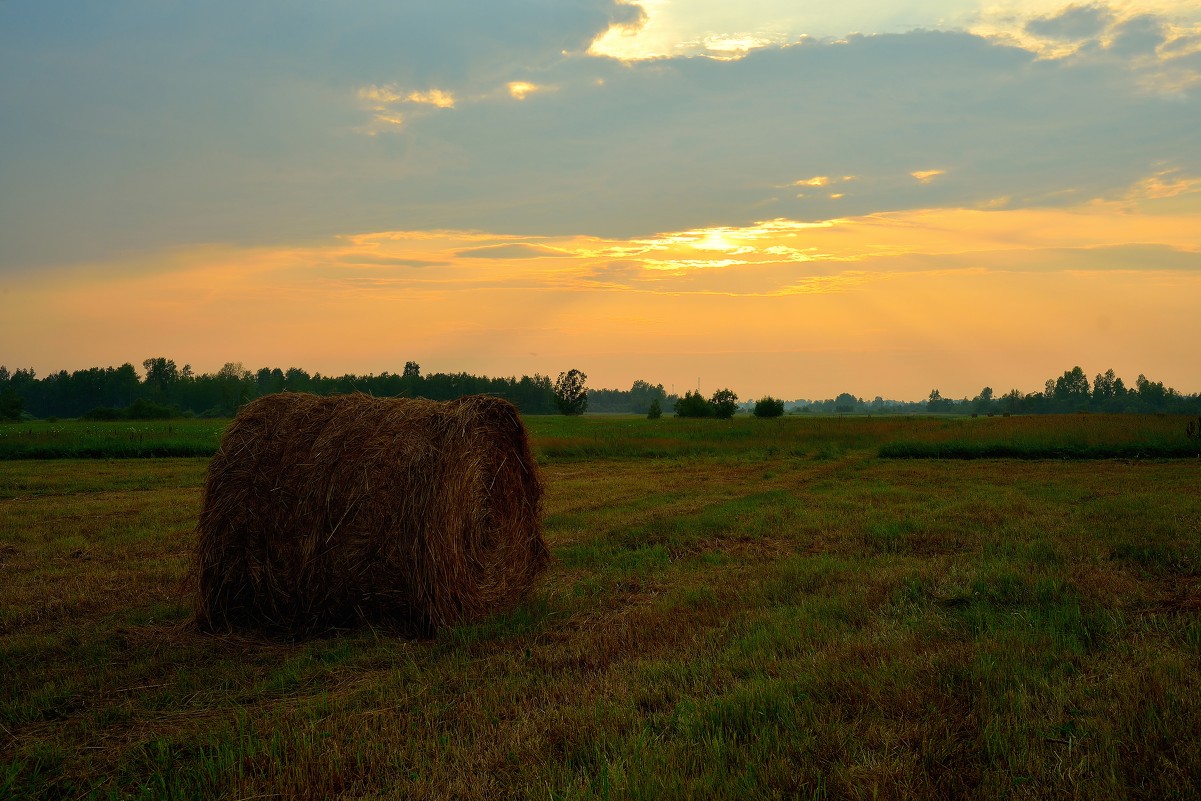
(716, 240)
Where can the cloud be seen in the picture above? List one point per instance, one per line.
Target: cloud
(155, 140)
(1072, 23)
(368, 260)
(1137, 36)
(926, 176)
(379, 97)
(669, 144)
(1165, 184)
(433, 97)
(516, 250)
(520, 90)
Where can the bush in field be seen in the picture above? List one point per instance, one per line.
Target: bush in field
(767, 406)
(724, 403)
(655, 411)
(141, 409)
(693, 404)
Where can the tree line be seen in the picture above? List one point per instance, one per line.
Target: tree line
(164, 389)
(1070, 392)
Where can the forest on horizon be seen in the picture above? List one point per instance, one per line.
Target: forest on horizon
(166, 390)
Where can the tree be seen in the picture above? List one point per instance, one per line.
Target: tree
(161, 375)
(655, 411)
(693, 404)
(535, 395)
(937, 403)
(571, 393)
(412, 370)
(297, 380)
(269, 381)
(1152, 393)
(234, 382)
(767, 406)
(1103, 386)
(983, 403)
(11, 405)
(1011, 401)
(724, 403)
(1072, 389)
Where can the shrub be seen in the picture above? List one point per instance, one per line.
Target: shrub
(149, 410)
(724, 403)
(693, 404)
(767, 406)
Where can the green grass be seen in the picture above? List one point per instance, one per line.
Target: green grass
(1079, 436)
(80, 439)
(724, 621)
(579, 439)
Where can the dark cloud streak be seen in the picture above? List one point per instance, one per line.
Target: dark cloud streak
(1072, 23)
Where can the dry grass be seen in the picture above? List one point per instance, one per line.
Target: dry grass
(722, 627)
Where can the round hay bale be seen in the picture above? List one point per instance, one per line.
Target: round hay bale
(320, 512)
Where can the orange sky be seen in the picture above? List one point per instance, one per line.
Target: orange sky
(901, 302)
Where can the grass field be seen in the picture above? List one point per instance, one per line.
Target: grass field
(620, 436)
(758, 610)
(83, 439)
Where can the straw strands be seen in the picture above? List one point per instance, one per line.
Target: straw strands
(320, 512)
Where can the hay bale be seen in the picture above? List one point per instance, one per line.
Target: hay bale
(320, 512)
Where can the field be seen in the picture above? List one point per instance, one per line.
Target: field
(754, 609)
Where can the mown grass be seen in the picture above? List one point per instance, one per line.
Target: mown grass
(743, 624)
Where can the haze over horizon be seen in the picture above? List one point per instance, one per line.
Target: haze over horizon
(881, 198)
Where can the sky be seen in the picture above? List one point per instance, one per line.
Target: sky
(780, 197)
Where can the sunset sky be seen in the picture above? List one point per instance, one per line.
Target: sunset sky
(794, 198)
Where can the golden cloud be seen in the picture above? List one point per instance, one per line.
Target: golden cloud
(434, 97)
(926, 176)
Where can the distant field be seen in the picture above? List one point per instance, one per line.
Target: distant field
(558, 438)
(762, 609)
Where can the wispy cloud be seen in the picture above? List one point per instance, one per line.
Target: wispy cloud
(520, 90)
(514, 250)
(926, 176)
(433, 97)
(379, 97)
